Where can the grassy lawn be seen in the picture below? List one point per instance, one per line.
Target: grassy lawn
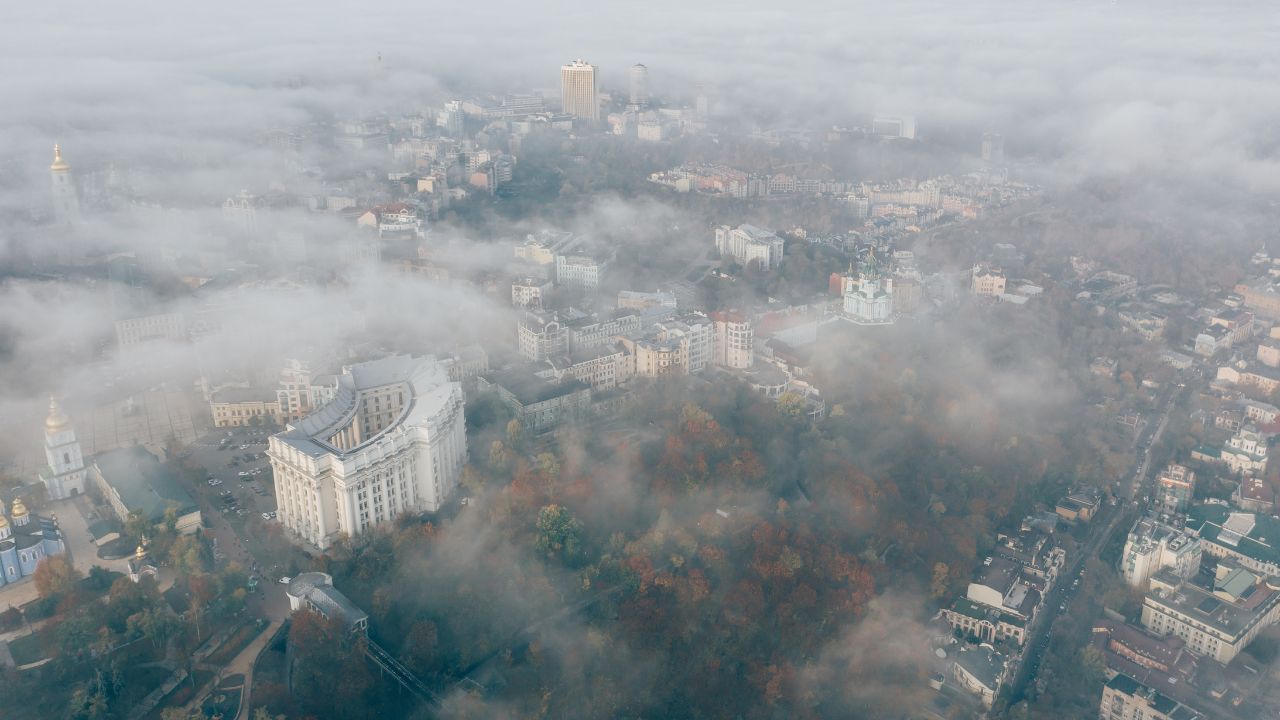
(30, 648)
(238, 641)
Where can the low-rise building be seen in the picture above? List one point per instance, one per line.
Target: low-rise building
(1254, 495)
(314, 591)
(1078, 507)
(160, 326)
(1212, 339)
(1124, 698)
(980, 670)
(1142, 655)
(987, 281)
(237, 407)
(579, 271)
(530, 292)
(134, 481)
(537, 403)
(750, 244)
(1247, 538)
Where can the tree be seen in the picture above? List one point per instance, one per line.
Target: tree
(55, 576)
(559, 533)
(938, 588)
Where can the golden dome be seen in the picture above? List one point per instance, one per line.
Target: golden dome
(19, 508)
(140, 553)
(57, 420)
(59, 165)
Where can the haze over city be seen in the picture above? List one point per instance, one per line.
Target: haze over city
(671, 361)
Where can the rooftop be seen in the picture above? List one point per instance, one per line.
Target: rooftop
(1251, 535)
(143, 483)
(1214, 609)
(1171, 708)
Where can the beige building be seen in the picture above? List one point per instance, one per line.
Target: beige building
(1216, 622)
(162, 326)
(681, 346)
(392, 441)
(238, 407)
(987, 281)
(578, 96)
(1124, 698)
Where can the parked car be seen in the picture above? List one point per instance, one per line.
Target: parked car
(243, 473)
(284, 580)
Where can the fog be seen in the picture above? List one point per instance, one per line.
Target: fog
(1129, 109)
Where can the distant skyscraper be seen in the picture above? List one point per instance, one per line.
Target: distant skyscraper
(66, 206)
(578, 90)
(992, 148)
(450, 119)
(639, 86)
(702, 103)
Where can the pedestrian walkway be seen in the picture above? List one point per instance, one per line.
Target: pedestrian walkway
(241, 663)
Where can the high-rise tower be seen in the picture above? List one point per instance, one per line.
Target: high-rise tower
(639, 75)
(578, 90)
(63, 477)
(66, 206)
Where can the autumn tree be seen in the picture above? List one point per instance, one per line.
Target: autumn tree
(55, 576)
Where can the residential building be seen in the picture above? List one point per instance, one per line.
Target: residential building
(530, 292)
(1124, 698)
(895, 126)
(985, 623)
(161, 326)
(1078, 507)
(241, 211)
(748, 244)
(392, 441)
(134, 481)
(300, 391)
(1175, 486)
(579, 271)
(1212, 339)
(987, 281)
(1262, 296)
(639, 96)
(537, 403)
(603, 367)
(1260, 412)
(1254, 495)
(1219, 620)
(980, 670)
(643, 301)
(64, 472)
(1176, 360)
(1152, 546)
(239, 407)
(541, 335)
(1269, 353)
(680, 346)
(1142, 655)
(1247, 538)
(992, 148)
(578, 95)
(735, 340)
(314, 591)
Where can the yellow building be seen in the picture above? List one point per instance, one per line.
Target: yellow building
(237, 407)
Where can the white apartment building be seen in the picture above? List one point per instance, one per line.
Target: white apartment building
(580, 271)
(578, 95)
(681, 346)
(1153, 546)
(392, 441)
(748, 243)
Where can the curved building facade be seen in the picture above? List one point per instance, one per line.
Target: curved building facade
(392, 441)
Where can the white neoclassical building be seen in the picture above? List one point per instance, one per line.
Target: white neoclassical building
(392, 441)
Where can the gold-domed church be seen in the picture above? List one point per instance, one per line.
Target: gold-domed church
(25, 540)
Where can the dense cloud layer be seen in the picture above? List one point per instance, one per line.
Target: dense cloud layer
(1101, 87)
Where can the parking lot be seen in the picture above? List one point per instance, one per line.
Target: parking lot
(237, 475)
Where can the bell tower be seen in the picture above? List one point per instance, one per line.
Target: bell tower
(64, 475)
(66, 205)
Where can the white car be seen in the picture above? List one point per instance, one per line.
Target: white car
(284, 580)
(243, 473)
